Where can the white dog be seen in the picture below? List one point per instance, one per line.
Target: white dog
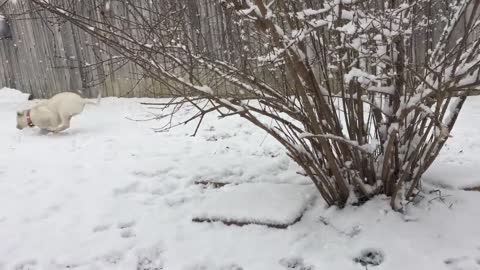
(54, 114)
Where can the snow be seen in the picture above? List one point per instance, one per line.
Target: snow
(289, 202)
(10, 97)
(362, 76)
(458, 163)
(205, 89)
(345, 2)
(110, 193)
(387, 90)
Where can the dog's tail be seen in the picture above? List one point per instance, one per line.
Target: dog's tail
(99, 98)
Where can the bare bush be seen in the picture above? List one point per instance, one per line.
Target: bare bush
(362, 94)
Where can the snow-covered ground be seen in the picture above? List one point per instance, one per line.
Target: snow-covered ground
(459, 164)
(110, 193)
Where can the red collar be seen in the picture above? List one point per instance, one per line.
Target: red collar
(29, 119)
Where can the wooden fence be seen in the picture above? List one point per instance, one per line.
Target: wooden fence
(45, 58)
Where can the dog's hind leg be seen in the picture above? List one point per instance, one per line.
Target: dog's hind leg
(65, 123)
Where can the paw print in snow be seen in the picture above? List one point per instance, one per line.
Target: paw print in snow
(150, 258)
(101, 228)
(295, 263)
(463, 263)
(26, 265)
(126, 229)
(369, 257)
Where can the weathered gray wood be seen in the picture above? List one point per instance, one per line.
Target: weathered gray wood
(47, 58)
(44, 59)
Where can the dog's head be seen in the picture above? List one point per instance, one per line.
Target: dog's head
(22, 120)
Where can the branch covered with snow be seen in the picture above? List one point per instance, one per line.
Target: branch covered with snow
(367, 78)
